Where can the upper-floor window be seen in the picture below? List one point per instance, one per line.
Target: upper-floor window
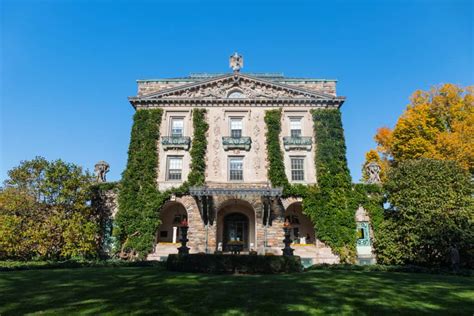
(295, 127)
(177, 126)
(297, 168)
(236, 168)
(175, 168)
(236, 127)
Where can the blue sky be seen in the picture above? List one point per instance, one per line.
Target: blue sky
(67, 67)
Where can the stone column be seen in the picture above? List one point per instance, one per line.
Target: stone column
(275, 232)
(175, 233)
(196, 232)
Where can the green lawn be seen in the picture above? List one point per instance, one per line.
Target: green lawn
(150, 290)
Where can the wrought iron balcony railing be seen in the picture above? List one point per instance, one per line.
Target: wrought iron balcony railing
(230, 143)
(175, 142)
(297, 143)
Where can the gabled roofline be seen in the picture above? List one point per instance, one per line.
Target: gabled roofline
(235, 75)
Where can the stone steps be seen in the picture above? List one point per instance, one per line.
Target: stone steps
(162, 251)
(317, 254)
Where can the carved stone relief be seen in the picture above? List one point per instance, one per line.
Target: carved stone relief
(215, 166)
(256, 164)
(216, 145)
(249, 88)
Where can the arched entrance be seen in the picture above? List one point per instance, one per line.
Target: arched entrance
(302, 229)
(236, 230)
(171, 217)
(236, 225)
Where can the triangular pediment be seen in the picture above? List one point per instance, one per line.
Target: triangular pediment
(236, 86)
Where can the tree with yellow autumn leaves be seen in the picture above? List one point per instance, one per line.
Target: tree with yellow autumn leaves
(437, 124)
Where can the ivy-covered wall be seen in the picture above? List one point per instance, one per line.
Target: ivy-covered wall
(331, 204)
(330, 207)
(276, 171)
(139, 200)
(137, 219)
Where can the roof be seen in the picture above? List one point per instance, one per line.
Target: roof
(267, 76)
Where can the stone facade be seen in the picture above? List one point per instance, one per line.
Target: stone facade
(236, 104)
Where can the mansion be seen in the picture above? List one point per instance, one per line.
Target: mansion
(237, 204)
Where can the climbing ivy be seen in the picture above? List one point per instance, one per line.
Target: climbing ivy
(330, 207)
(198, 149)
(139, 199)
(276, 170)
(137, 218)
(330, 204)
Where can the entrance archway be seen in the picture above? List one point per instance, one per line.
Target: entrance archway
(235, 225)
(171, 216)
(236, 230)
(302, 229)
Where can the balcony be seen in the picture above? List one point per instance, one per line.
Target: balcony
(175, 142)
(297, 143)
(241, 143)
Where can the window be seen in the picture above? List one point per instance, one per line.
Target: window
(295, 127)
(175, 167)
(297, 169)
(236, 127)
(236, 169)
(177, 126)
(236, 94)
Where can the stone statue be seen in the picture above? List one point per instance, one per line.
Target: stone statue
(100, 169)
(373, 171)
(454, 257)
(236, 62)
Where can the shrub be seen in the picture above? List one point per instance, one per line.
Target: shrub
(71, 264)
(251, 264)
(389, 268)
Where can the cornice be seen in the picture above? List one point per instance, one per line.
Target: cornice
(139, 103)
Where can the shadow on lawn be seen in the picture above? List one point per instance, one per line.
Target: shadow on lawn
(153, 291)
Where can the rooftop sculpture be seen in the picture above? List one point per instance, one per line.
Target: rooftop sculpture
(100, 169)
(373, 171)
(236, 62)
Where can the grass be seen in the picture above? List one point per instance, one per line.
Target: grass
(152, 290)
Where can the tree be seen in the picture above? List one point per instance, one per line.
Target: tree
(437, 124)
(18, 211)
(431, 209)
(45, 211)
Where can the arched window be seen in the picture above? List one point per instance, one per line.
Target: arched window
(235, 94)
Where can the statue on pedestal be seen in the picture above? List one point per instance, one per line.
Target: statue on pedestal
(100, 169)
(236, 62)
(373, 171)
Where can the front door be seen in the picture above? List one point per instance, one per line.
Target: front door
(236, 230)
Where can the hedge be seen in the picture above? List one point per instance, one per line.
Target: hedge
(72, 264)
(247, 264)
